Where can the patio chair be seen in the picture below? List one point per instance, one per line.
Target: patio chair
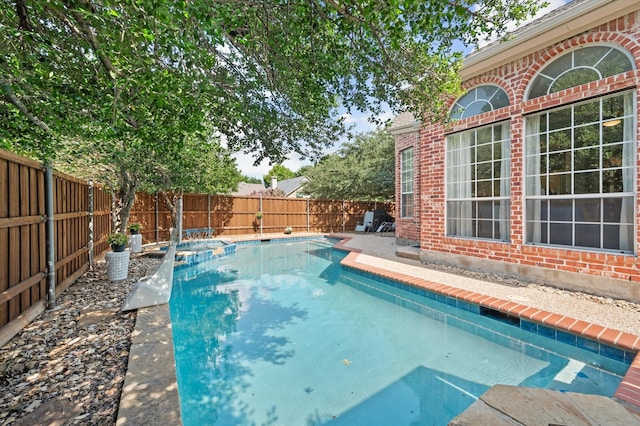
(386, 227)
(367, 223)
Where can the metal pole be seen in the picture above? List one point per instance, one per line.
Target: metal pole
(209, 211)
(51, 251)
(262, 215)
(179, 218)
(91, 224)
(113, 213)
(157, 224)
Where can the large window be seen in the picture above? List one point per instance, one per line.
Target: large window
(406, 183)
(580, 174)
(478, 183)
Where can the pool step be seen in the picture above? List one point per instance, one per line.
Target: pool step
(514, 405)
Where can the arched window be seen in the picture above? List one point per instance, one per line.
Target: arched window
(478, 100)
(578, 67)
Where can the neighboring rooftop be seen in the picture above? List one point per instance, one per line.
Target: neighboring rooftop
(245, 188)
(290, 187)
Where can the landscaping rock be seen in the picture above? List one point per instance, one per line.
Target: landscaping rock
(67, 367)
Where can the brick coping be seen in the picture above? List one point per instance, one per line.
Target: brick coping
(629, 389)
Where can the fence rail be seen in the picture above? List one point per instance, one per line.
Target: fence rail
(82, 221)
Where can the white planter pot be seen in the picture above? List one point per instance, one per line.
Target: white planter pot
(117, 265)
(135, 243)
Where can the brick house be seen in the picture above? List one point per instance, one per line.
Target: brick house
(537, 176)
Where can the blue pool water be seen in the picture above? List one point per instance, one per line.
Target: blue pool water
(280, 334)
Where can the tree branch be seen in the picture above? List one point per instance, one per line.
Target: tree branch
(11, 98)
(83, 30)
(90, 37)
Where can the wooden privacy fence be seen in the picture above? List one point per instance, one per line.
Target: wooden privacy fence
(237, 215)
(80, 220)
(23, 236)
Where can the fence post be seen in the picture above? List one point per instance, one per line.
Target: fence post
(157, 224)
(91, 225)
(308, 225)
(179, 218)
(262, 214)
(51, 251)
(209, 211)
(343, 214)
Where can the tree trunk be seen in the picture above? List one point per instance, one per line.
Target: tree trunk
(171, 203)
(125, 197)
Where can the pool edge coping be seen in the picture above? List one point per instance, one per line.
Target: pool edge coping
(150, 390)
(628, 391)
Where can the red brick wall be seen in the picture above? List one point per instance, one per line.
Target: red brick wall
(515, 78)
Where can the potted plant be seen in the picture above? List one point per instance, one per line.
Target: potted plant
(134, 228)
(288, 230)
(118, 241)
(259, 215)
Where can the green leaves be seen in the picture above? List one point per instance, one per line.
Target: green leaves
(278, 171)
(268, 76)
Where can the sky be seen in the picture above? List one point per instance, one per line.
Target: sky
(359, 120)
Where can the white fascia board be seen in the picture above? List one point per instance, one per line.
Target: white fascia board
(413, 126)
(574, 21)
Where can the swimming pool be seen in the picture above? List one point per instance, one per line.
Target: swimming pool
(282, 334)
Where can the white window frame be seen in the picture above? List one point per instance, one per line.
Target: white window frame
(490, 96)
(406, 183)
(577, 59)
(478, 183)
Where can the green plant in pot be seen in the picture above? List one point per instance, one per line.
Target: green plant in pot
(118, 241)
(259, 215)
(288, 230)
(134, 228)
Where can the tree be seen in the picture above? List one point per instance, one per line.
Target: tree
(249, 179)
(270, 73)
(302, 171)
(278, 171)
(202, 165)
(142, 77)
(361, 170)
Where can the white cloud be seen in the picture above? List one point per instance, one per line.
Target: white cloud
(361, 122)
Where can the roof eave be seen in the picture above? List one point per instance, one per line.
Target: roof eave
(574, 21)
(413, 126)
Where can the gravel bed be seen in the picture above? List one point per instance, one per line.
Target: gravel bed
(68, 366)
(625, 304)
